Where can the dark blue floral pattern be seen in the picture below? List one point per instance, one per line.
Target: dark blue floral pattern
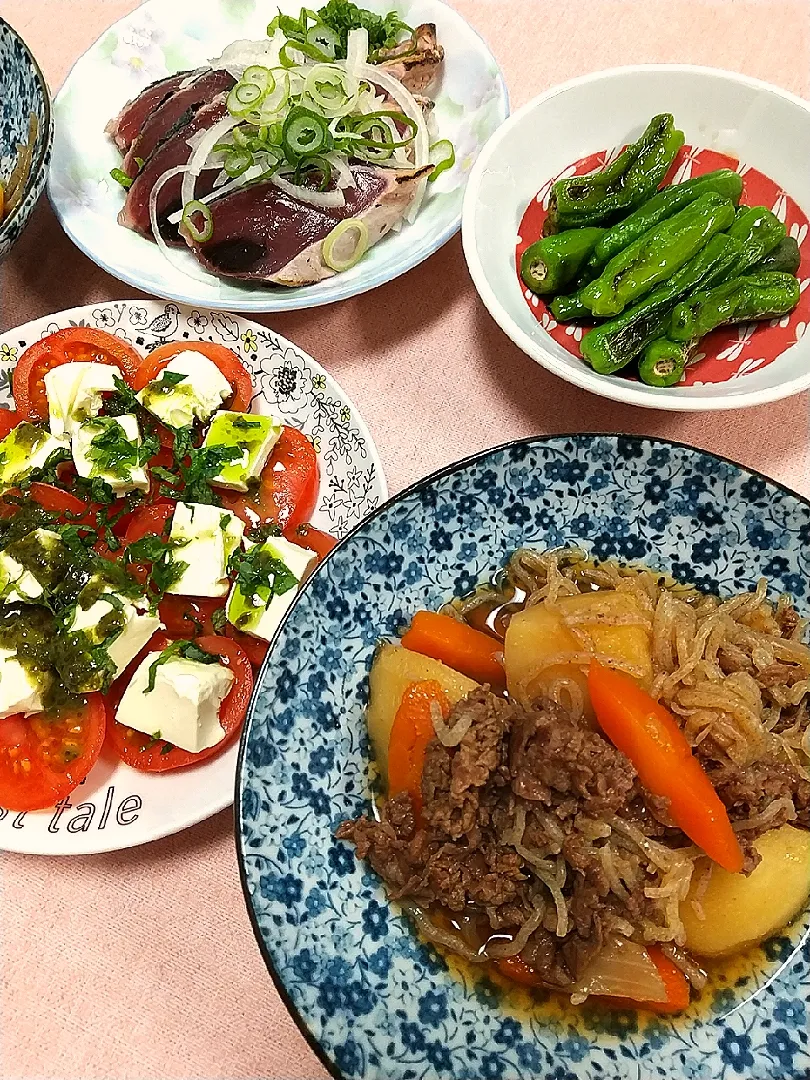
(382, 1005)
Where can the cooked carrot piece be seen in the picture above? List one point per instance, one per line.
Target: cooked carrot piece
(411, 732)
(457, 645)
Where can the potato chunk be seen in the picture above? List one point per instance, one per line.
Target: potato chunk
(740, 911)
(394, 669)
(574, 627)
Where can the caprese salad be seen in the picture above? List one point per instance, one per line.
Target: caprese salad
(153, 534)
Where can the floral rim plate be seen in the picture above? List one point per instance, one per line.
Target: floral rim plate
(159, 38)
(118, 807)
(374, 1001)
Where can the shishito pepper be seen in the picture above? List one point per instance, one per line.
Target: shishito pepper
(567, 308)
(664, 204)
(664, 361)
(759, 231)
(553, 262)
(657, 255)
(753, 296)
(785, 257)
(613, 345)
(624, 184)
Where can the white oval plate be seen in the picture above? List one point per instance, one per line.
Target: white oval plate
(116, 806)
(159, 38)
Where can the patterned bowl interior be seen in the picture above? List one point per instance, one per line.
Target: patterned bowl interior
(374, 1001)
(23, 91)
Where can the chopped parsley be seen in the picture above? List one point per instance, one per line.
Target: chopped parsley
(179, 650)
(113, 453)
(260, 573)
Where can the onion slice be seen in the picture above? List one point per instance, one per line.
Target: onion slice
(334, 198)
(622, 969)
(166, 251)
(197, 161)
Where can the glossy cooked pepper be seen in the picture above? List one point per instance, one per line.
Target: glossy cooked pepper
(600, 197)
(661, 206)
(759, 231)
(664, 361)
(553, 262)
(566, 308)
(657, 255)
(765, 295)
(613, 345)
(785, 257)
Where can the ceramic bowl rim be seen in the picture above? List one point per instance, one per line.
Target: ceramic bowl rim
(39, 165)
(535, 348)
(412, 489)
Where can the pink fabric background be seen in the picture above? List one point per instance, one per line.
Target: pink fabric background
(143, 964)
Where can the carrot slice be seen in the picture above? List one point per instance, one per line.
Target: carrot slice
(411, 732)
(457, 645)
(650, 737)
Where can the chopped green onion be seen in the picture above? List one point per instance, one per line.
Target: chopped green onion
(304, 47)
(444, 154)
(261, 76)
(327, 87)
(121, 177)
(323, 37)
(237, 161)
(241, 138)
(316, 162)
(333, 259)
(200, 236)
(305, 133)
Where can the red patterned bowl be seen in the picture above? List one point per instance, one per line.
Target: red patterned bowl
(729, 121)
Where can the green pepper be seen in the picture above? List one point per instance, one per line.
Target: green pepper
(785, 257)
(551, 263)
(661, 206)
(743, 299)
(657, 254)
(568, 308)
(664, 361)
(759, 231)
(616, 343)
(624, 184)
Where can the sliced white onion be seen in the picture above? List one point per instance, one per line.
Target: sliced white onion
(198, 160)
(356, 52)
(244, 53)
(410, 107)
(622, 969)
(228, 185)
(166, 251)
(345, 176)
(334, 198)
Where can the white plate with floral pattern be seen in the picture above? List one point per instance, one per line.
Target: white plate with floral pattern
(116, 806)
(159, 38)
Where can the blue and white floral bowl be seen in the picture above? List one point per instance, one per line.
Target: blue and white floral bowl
(374, 1002)
(23, 91)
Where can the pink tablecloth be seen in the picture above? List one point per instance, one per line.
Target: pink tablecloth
(143, 964)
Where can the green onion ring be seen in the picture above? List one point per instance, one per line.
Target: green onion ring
(199, 236)
(446, 161)
(319, 162)
(330, 256)
(237, 161)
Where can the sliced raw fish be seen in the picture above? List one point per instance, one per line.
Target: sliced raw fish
(263, 234)
(173, 151)
(126, 126)
(416, 68)
(201, 90)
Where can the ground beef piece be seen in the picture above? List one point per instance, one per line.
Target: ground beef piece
(749, 790)
(548, 754)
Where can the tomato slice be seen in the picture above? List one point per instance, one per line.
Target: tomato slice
(288, 487)
(254, 648)
(184, 616)
(43, 757)
(142, 752)
(228, 363)
(307, 536)
(63, 347)
(149, 520)
(63, 503)
(8, 421)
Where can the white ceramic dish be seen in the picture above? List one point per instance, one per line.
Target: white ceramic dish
(116, 806)
(162, 37)
(762, 126)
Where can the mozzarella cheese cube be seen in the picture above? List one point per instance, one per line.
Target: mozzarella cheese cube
(25, 448)
(261, 614)
(196, 396)
(121, 479)
(133, 627)
(183, 707)
(74, 393)
(43, 552)
(210, 537)
(19, 692)
(255, 436)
